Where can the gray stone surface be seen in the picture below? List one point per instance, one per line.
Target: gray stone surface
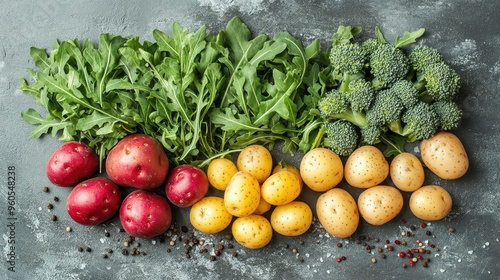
(467, 32)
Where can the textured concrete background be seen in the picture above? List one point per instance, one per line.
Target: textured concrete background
(467, 32)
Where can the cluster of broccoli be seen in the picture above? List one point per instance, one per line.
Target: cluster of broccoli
(381, 92)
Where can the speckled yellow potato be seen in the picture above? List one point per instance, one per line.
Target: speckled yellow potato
(242, 195)
(281, 166)
(407, 172)
(430, 203)
(220, 171)
(337, 212)
(380, 204)
(209, 215)
(445, 155)
(292, 219)
(366, 167)
(256, 160)
(252, 231)
(280, 188)
(321, 169)
(263, 207)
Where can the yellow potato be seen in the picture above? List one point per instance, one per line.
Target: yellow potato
(366, 167)
(252, 231)
(321, 169)
(280, 188)
(337, 212)
(263, 207)
(430, 203)
(220, 171)
(209, 215)
(407, 172)
(242, 195)
(445, 155)
(380, 204)
(284, 166)
(292, 219)
(256, 160)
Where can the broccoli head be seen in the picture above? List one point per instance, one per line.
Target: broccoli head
(341, 137)
(441, 82)
(449, 114)
(334, 106)
(406, 92)
(370, 134)
(388, 65)
(420, 122)
(385, 110)
(423, 56)
(360, 95)
(348, 57)
(370, 45)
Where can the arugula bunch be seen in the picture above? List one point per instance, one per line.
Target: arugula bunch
(201, 95)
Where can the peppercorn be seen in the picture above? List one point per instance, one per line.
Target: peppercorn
(45, 189)
(53, 218)
(295, 251)
(56, 199)
(451, 229)
(184, 229)
(401, 254)
(423, 225)
(424, 264)
(213, 258)
(412, 227)
(403, 243)
(217, 253)
(80, 249)
(110, 251)
(301, 260)
(380, 250)
(88, 249)
(234, 254)
(397, 242)
(168, 250)
(404, 265)
(124, 252)
(107, 234)
(50, 206)
(68, 229)
(374, 260)
(220, 246)
(339, 260)
(383, 256)
(429, 233)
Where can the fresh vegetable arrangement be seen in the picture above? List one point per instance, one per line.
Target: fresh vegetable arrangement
(170, 115)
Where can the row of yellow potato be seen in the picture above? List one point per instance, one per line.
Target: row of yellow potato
(253, 186)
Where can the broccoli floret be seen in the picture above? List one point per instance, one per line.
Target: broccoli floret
(388, 65)
(423, 56)
(370, 134)
(420, 122)
(359, 94)
(370, 45)
(449, 114)
(441, 82)
(334, 106)
(341, 137)
(348, 57)
(406, 92)
(386, 110)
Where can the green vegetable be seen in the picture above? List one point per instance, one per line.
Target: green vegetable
(389, 95)
(208, 95)
(201, 95)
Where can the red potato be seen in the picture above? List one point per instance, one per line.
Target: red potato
(145, 214)
(186, 185)
(93, 201)
(71, 163)
(137, 161)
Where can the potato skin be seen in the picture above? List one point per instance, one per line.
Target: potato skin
(337, 212)
(366, 167)
(430, 203)
(380, 204)
(282, 166)
(281, 188)
(256, 160)
(186, 185)
(209, 215)
(253, 231)
(71, 163)
(137, 161)
(93, 201)
(445, 155)
(407, 172)
(292, 219)
(321, 169)
(220, 171)
(242, 195)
